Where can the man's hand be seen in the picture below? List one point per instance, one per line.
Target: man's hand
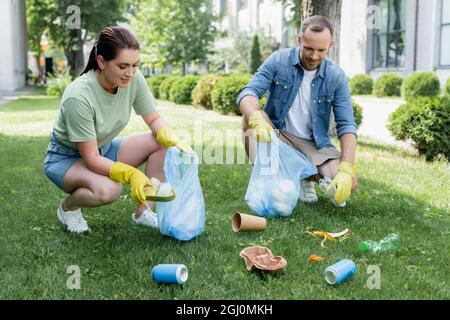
(343, 181)
(260, 126)
(124, 173)
(167, 138)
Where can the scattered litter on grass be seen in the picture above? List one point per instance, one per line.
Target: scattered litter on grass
(313, 258)
(263, 259)
(329, 235)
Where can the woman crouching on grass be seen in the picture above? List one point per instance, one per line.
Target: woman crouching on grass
(84, 157)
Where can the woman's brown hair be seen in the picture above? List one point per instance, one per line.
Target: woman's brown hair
(111, 40)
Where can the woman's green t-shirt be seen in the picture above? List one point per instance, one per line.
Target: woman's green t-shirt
(88, 112)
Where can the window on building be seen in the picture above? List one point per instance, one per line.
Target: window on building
(444, 56)
(389, 38)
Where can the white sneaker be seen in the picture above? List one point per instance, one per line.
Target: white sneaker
(148, 218)
(307, 191)
(72, 219)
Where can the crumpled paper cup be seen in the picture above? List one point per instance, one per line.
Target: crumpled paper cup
(262, 259)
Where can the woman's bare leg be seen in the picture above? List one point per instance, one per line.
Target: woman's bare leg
(88, 189)
(139, 148)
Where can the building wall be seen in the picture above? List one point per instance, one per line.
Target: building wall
(353, 39)
(13, 45)
(421, 46)
(412, 33)
(442, 72)
(422, 38)
(425, 30)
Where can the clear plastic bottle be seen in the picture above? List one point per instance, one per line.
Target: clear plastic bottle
(329, 189)
(391, 242)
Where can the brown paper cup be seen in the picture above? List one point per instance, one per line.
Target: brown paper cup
(247, 222)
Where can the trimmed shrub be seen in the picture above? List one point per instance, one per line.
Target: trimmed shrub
(201, 95)
(58, 83)
(181, 90)
(388, 85)
(155, 82)
(420, 84)
(225, 92)
(164, 87)
(357, 113)
(447, 88)
(426, 122)
(361, 84)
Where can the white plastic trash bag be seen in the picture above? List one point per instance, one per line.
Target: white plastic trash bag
(184, 217)
(274, 185)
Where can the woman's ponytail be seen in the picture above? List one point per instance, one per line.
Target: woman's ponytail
(92, 63)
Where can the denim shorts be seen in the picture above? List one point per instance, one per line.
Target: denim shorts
(59, 158)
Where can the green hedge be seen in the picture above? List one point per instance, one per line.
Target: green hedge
(420, 84)
(164, 87)
(426, 122)
(447, 88)
(201, 95)
(155, 82)
(181, 90)
(361, 84)
(388, 85)
(357, 113)
(225, 92)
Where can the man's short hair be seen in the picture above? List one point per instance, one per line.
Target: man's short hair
(316, 24)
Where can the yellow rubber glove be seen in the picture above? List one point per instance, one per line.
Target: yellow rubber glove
(343, 181)
(124, 173)
(167, 138)
(260, 126)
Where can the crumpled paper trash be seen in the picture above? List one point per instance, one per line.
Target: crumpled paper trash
(263, 259)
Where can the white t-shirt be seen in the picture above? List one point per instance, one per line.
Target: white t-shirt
(298, 120)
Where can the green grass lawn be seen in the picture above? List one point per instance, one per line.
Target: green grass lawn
(397, 192)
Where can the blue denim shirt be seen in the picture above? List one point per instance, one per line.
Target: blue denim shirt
(281, 75)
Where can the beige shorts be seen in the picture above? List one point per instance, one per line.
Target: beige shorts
(308, 148)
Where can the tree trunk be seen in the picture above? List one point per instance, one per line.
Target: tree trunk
(184, 68)
(331, 10)
(75, 53)
(307, 9)
(40, 80)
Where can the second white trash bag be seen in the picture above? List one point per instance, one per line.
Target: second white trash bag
(274, 185)
(184, 217)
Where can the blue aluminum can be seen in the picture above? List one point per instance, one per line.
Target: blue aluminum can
(340, 271)
(170, 273)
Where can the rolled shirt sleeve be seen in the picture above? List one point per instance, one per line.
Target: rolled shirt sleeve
(262, 80)
(343, 109)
